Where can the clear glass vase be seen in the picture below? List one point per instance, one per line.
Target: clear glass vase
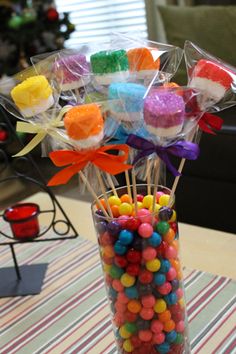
(142, 272)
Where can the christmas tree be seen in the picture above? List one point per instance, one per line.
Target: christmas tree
(28, 28)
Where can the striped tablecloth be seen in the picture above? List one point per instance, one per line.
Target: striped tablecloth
(71, 314)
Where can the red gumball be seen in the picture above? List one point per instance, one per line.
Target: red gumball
(178, 316)
(161, 249)
(133, 269)
(120, 261)
(145, 277)
(174, 308)
(140, 197)
(174, 226)
(134, 256)
(130, 316)
(108, 280)
(132, 224)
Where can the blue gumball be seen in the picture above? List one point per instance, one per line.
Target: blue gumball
(119, 248)
(159, 278)
(155, 239)
(165, 266)
(126, 237)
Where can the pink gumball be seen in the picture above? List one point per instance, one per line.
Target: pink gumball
(171, 252)
(122, 220)
(144, 216)
(146, 313)
(165, 288)
(156, 326)
(158, 195)
(149, 253)
(179, 327)
(179, 293)
(158, 338)
(171, 274)
(145, 230)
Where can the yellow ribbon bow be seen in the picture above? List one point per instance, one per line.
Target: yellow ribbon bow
(41, 131)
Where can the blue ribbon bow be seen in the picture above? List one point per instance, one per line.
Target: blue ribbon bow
(184, 149)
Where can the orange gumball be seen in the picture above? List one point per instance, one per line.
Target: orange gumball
(164, 316)
(175, 264)
(134, 306)
(115, 211)
(125, 198)
(108, 251)
(169, 326)
(179, 275)
(103, 202)
(169, 236)
(175, 244)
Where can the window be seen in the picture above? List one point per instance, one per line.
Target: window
(96, 19)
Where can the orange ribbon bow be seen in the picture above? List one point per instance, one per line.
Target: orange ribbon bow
(77, 160)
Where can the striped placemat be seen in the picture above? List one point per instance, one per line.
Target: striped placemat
(71, 314)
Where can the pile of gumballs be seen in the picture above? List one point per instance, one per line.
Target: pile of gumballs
(143, 274)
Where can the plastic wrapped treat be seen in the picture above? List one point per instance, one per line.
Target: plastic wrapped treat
(149, 62)
(144, 62)
(72, 70)
(128, 101)
(164, 113)
(109, 66)
(84, 126)
(33, 96)
(212, 76)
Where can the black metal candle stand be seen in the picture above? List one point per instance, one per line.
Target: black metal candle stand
(28, 279)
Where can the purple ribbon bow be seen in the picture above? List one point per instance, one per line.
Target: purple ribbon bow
(184, 149)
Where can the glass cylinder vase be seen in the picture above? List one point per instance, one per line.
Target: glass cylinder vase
(143, 277)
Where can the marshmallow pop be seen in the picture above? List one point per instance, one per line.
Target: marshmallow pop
(126, 101)
(84, 126)
(33, 96)
(213, 79)
(110, 66)
(164, 113)
(142, 63)
(73, 71)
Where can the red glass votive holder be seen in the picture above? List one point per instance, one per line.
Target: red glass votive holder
(23, 219)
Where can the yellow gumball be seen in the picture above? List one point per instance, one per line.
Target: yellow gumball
(181, 302)
(153, 265)
(127, 280)
(160, 306)
(147, 201)
(106, 268)
(173, 217)
(156, 208)
(164, 199)
(139, 206)
(113, 200)
(125, 209)
(124, 333)
(127, 346)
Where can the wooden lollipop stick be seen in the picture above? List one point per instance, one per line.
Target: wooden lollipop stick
(92, 192)
(111, 184)
(148, 177)
(176, 181)
(134, 191)
(127, 179)
(103, 189)
(156, 180)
